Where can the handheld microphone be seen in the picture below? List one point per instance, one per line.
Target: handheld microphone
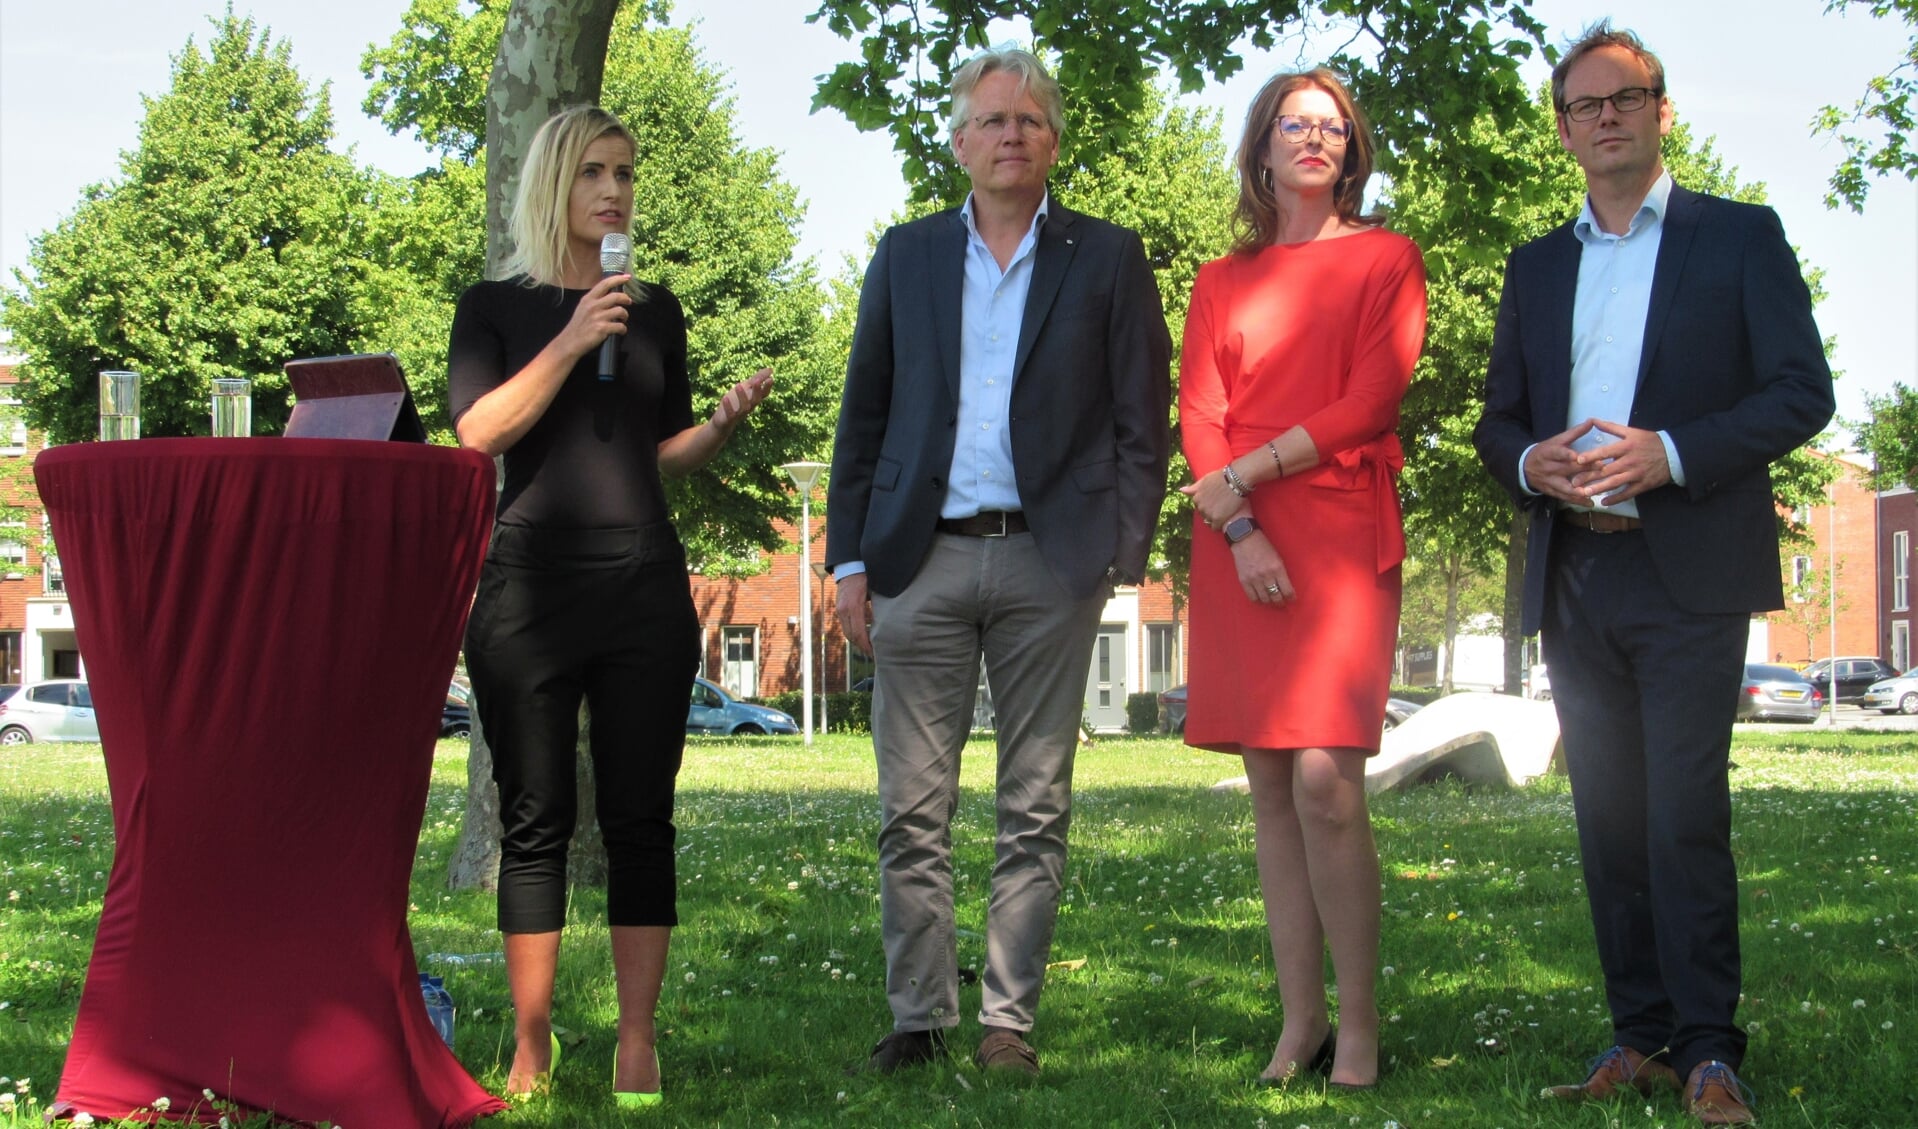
(615, 257)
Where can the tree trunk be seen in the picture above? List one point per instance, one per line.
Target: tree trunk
(1453, 572)
(552, 54)
(1513, 617)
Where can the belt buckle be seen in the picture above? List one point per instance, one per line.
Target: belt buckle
(1001, 515)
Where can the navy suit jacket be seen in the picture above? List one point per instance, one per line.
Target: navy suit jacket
(1089, 414)
(1733, 369)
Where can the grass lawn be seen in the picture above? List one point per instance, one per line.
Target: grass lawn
(1167, 1009)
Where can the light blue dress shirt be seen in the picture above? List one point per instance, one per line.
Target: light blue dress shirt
(992, 307)
(1608, 324)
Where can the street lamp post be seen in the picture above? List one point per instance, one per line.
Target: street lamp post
(1831, 595)
(804, 475)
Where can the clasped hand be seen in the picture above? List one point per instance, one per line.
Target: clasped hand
(1631, 464)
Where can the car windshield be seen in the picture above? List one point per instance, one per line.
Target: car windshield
(1762, 673)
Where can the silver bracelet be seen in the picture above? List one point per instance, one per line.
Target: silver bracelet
(1233, 480)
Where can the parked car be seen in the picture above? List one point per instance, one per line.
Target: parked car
(715, 711)
(1856, 673)
(1778, 693)
(1894, 695)
(1397, 710)
(1172, 709)
(57, 710)
(456, 718)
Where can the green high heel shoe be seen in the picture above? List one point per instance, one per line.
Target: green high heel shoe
(633, 1099)
(543, 1081)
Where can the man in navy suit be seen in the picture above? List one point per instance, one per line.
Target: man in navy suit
(999, 465)
(1651, 359)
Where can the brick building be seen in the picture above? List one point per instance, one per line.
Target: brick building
(36, 629)
(1844, 538)
(1897, 539)
(750, 636)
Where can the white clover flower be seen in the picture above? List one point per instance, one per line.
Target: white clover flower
(1857, 1005)
(208, 1094)
(83, 1118)
(162, 1103)
(6, 1103)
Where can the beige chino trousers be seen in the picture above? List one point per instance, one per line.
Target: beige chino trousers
(973, 597)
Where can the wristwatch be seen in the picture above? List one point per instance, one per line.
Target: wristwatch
(1239, 528)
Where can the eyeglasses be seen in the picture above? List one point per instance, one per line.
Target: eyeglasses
(1332, 131)
(997, 124)
(1625, 101)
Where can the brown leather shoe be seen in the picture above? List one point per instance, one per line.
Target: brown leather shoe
(1615, 1070)
(905, 1048)
(1004, 1050)
(1715, 1096)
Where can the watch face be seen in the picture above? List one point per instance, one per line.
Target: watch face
(1239, 528)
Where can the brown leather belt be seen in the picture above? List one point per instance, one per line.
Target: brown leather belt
(1599, 522)
(992, 523)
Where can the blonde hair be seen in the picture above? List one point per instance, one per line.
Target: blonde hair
(1257, 220)
(1022, 65)
(541, 237)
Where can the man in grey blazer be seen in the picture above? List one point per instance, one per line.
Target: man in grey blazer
(999, 465)
(1651, 360)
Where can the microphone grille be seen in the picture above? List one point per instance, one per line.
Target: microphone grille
(615, 253)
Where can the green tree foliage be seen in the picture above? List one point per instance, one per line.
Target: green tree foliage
(1885, 112)
(229, 244)
(1891, 437)
(713, 222)
(1424, 69)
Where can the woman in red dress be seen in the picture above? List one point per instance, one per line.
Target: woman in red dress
(1298, 348)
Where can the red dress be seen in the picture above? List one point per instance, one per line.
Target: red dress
(1321, 335)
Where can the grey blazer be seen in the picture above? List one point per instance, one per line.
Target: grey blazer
(1089, 414)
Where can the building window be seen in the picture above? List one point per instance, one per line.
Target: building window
(1900, 571)
(1161, 656)
(13, 428)
(1901, 656)
(1800, 572)
(13, 548)
(739, 661)
(56, 581)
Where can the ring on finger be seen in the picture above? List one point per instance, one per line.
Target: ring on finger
(1272, 588)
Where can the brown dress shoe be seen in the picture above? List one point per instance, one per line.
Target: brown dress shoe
(1615, 1070)
(1003, 1050)
(905, 1048)
(1715, 1096)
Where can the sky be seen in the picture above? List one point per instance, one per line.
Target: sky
(1750, 74)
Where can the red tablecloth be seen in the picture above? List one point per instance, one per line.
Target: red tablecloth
(267, 626)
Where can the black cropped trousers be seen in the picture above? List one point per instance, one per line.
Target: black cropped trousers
(605, 616)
